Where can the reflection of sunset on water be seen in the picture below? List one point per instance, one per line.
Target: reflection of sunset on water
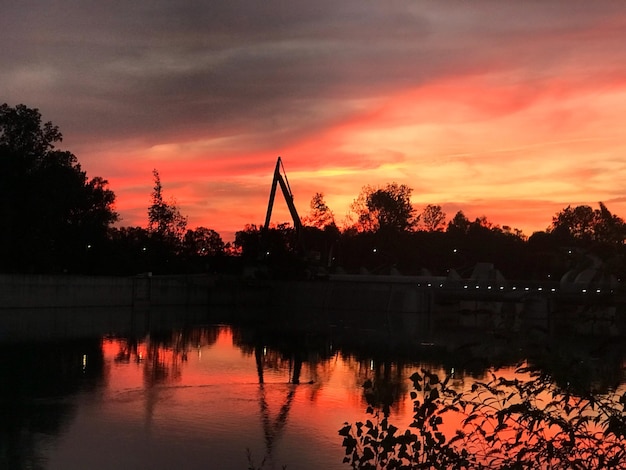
(208, 394)
(203, 380)
(330, 391)
(207, 377)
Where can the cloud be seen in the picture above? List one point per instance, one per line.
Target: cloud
(505, 101)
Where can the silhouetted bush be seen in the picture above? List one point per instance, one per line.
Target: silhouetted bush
(505, 424)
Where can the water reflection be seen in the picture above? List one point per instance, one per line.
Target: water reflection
(36, 383)
(198, 397)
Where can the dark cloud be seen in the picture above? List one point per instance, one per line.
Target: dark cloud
(255, 78)
(159, 69)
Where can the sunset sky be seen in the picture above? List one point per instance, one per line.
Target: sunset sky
(512, 110)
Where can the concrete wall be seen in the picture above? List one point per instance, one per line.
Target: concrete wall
(28, 291)
(363, 304)
(349, 295)
(178, 290)
(100, 304)
(55, 307)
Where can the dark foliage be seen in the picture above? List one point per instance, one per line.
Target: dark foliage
(53, 217)
(521, 423)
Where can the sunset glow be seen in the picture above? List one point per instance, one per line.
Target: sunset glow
(509, 110)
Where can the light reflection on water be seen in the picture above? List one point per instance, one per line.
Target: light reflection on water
(163, 404)
(193, 399)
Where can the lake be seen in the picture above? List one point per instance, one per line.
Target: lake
(196, 395)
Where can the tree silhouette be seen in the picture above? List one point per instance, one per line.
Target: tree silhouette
(459, 224)
(574, 223)
(203, 242)
(54, 218)
(582, 224)
(385, 209)
(433, 218)
(609, 228)
(320, 215)
(164, 219)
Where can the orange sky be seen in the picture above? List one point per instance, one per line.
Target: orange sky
(512, 110)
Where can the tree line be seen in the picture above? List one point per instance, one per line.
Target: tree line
(57, 220)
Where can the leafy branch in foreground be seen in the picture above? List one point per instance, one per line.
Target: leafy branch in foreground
(378, 444)
(503, 424)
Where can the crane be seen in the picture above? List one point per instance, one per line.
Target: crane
(307, 259)
(288, 195)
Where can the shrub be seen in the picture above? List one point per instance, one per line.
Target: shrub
(523, 423)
